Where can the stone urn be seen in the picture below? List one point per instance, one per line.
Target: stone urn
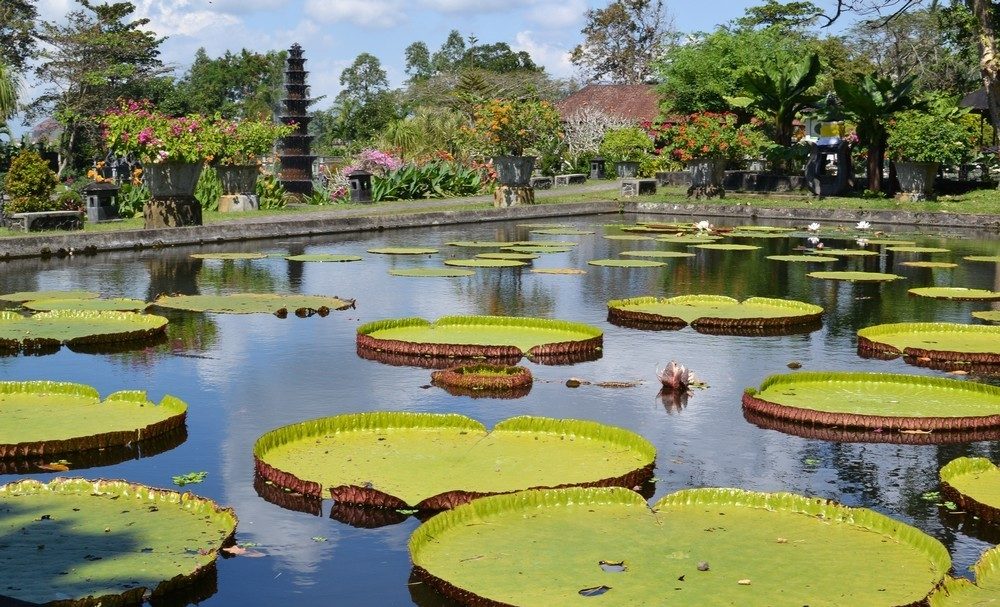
(916, 179)
(626, 169)
(707, 175)
(514, 175)
(238, 179)
(173, 204)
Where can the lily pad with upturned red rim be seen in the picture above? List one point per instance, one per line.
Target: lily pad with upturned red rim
(950, 343)
(713, 313)
(501, 381)
(49, 330)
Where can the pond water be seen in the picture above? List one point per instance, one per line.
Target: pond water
(244, 375)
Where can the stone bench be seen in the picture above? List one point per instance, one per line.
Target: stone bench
(638, 187)
(541, 183)
(570, 179)
(47, 220)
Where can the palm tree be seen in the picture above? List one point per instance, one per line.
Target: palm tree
(783, 92)
(871, 102)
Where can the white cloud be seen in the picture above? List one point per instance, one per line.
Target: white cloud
(554, 58)
(558, 15)
(368, 13)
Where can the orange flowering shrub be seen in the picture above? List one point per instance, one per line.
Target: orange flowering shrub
(712, 135)
(504, 127)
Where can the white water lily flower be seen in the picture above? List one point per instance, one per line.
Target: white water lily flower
(814, 240)
(862, 242)
(703, 226)
(863, 225)
(813, 227)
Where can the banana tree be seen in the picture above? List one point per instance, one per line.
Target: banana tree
(871, 103)
(783, 92)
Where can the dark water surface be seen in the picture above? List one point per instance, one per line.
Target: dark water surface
(244, 375)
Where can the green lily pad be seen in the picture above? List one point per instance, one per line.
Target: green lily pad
(627, 237)
(229, 256)
(983, 258)
(403, 251)
(988, 315)
(324, 257)
(70, 539)
(935, 341)
(855, 276)
(973, 483)
(479, 244)
(492, 381)
(846, 252)
(42, 418)
(876, 401)
(252, 303)
(726, 247)
(626, 263)
(118, 303)
(890, 242)
(765, 229)
(488, 336)
(745, 234)
(485, 263)
(715, 313)
(911, 249)
(658, 254)
(563, 232)
(76, 327)
(562, 271)
(535, 250)
(512, 256)
(432, 272)
(542, 226)
(688, 239)
(719, 546)
(803, 258)
(436, 461)
(561, 244)
(958, 293)
(929, 264)
(960, 592)
(22, 296)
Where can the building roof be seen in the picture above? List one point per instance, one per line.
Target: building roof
(636, 102)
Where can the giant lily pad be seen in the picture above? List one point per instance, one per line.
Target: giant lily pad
(42, 418)
(544, 243)
(403, 250)
(563, 232)
(755, 234)
(910, 249)
(960, 592)
(929, 264)
(846, 252)
(713, 313)
(560, 271)
(253, 303)
(890, 242)
(626, 263)
(698, 547)
(76, 328)
(764, 229)
(803, 258)
(889, 402)
(479, 244)
(727, 247)
(437, 461)
(689, 239)
(499, 381)
(535, 249)
(973, 483)
(983, 258)
(656, 254)
(502, 337)
(22, 296)
(627, 237)
(932, 342)
(229, 256)
(988, 315)
(855, 276)
(71, 539)
(119, 303)
(958, 293)
(513, 256)
(324, 257)
(432, 272)
(485, 263)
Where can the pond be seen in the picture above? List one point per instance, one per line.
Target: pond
(243, 375)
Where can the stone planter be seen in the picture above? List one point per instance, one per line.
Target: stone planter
(172, 187)
(916, 179)
(707, 175)
(514, 171)
(238, 179)
(626, 170)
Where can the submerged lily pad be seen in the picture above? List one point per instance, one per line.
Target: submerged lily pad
(437, 461)
(564, 271)
(489, 336)
(119, 303)
(229, 256)
(42, 418)
(563, 232)
(626, 263)
(727, 247)
(890, 242)
(76, 327)
(973, 483)
(719, 546)
(535, 250)
(432, 272)
(940, 342)
(889, 402)
(988, 315)
(712, 313)
(983, 258)
(485, 263)
(71, 539)
(960, 592)
(803, 258)
(22, 296)
(659, 254)
(910, 249)
(846, 252)
(324, 257)
(403, 251)
(627, 237)
(929, 264)
(959, 293)
(855, 276)
(513, 256)
(253, 303)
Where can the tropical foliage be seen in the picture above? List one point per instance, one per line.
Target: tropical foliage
(926, 137)
(30, 184)
(504, 127)
(629, 144)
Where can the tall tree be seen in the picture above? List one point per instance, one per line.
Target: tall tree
(498, 58)
(449, 56)
(784, 15)
(623, 40)
(782, 93)
(418, 62)
(17, 32)
(365, 104)
(236, 85)
(97, 56)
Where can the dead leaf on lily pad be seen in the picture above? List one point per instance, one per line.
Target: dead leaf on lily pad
(238, 550)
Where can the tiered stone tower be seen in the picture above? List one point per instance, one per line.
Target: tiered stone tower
(293, 152)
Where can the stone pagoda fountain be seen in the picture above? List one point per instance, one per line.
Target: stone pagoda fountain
(293, 150)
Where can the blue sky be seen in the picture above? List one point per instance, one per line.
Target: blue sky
(334, 32)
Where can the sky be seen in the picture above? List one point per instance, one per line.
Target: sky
(333, 32)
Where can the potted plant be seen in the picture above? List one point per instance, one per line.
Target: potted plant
(507, 130)
(626, 147)
(919, 142)
(706, 141)
(242, 144)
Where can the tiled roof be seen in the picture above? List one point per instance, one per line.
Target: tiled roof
(636, 102)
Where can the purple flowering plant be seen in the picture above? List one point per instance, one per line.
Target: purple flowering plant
(374, 161)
